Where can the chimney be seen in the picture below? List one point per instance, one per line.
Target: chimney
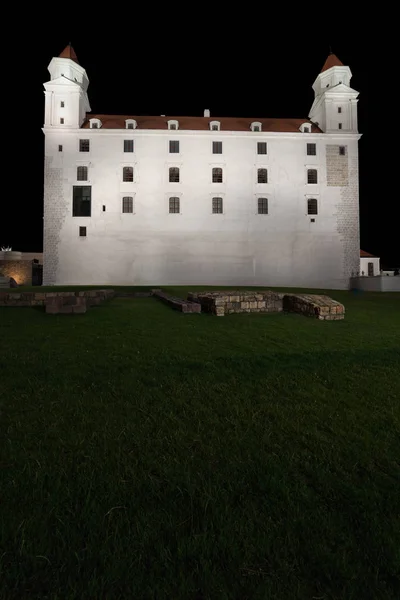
(206, 112)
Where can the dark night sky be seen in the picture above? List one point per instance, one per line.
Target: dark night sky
(182, 70)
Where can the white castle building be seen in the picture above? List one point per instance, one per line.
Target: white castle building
(162, 200)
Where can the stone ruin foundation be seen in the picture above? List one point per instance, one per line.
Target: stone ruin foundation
(220, 303)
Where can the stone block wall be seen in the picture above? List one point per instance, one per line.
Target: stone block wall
(242, 301)
(92, 297)
(20, 270)
(318, 306)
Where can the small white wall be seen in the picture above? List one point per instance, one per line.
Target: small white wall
(364, 265)
(376, 284)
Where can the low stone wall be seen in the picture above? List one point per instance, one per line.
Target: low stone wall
(312, 305)
(20, 270)
(240, 301)
(184, 306)
(92, 297)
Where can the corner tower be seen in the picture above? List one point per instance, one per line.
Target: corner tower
(335, 103)
(66, 100)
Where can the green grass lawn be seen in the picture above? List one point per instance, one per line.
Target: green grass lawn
(147, 454)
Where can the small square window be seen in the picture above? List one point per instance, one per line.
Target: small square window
(306, 130)
(62, 121)
(174, 147)
(340, 126)
(62, 104)
(60, 148)
(217, 147)
(256, 128)
(128, 145)
(342, 150)
(311, 149)
(95, 125)
(82, 231)
(339, 109)
(312, 220)
(261, 147)
(84, 145)
(172, 126)
(130, 126)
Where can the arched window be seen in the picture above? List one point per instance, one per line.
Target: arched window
(305, 128)
(217, 205)
(256, 126)
(312, 206)
(217, 175)
(127, 174)
(215, 125)
(130, 124)
(82, 173)
(95, 123)
(174, 175)
(312, 176)
(173, 124)
(174, 204)
(262, 176)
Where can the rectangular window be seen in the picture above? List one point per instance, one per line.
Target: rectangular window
(339, 109)
(342, 150)
(62, 121)
(262, 206)
(173, 147)
(217, 147)
(82, 201)
(129, 126)
(60, 149)
(311, 149)
(62, 104)
(84, 145)
(312, 206)
(174, 205)
(104, 208)
(127, 174)
(262, 176)
(174, 175)
(261, 147)
(127, 204)
(217, 206)
(312, 176)
(82, 173)
(82, 231)
(128, 145)
(340, 126)
(217, 175)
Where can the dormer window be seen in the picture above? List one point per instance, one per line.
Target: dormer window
(215, 125)
(256, 126)
(130, 124)
(95, 123)
(305, 128)
(172, 124)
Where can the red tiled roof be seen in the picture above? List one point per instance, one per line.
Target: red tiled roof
(331, 61)
(69, 52)
(364, 254)
(201, 123)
